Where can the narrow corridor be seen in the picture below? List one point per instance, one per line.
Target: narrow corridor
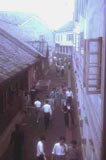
(57, 127)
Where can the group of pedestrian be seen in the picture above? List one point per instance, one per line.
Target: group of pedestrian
(59, 151)
(60, 67)
(62, 95)
(47, 110)
(67, 107)
(47, 106)
(60, 148)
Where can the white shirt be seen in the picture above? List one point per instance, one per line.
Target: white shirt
(40, 148)
(59, 149)
(69, 94)
(62, 67)
(37, 104)
(47, 108)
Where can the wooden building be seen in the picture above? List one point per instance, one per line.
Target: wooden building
(20, 69)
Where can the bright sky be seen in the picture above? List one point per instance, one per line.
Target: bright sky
(54, 12)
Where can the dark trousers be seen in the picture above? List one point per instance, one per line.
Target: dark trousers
(69, 100)
(62, 73)
(46, 120)
(41, 157)
(72, 116)
(66, 119)
(37, 113)
(59, 157)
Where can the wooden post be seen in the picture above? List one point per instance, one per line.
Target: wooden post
(103, 155)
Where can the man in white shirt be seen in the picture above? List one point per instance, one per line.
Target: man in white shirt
(37, 105)
(40, 149)
(69, 95)
(59, 150)
(47, 113)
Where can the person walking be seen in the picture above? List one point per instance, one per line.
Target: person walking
(66, 115)
(40, 149)
(69, 95)
(70, 110)
(63, 98)
(37, 105)
(52, 95)
(47, 114)
(62, 70)
(26, 101)
(60, 149)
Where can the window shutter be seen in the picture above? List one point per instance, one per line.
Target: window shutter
(92, 65)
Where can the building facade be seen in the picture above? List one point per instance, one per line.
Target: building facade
(64, 39)
(20, 69)
(89, 68)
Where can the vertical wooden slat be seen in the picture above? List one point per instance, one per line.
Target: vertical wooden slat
(84, 67)
(87, 65)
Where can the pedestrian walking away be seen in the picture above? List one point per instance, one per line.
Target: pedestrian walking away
(47, 114)
(63, 98)
(60, 149)
(62, 70)
(37, 105)
(66, 115)
(70, 110)
(69, 95)
(26, 101)
(40, 149)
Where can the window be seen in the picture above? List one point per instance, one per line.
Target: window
(69, 37)
(82, 40)
(77, 42)
(61, 37)
(92, 65)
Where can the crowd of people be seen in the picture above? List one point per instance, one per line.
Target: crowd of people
(62, 97)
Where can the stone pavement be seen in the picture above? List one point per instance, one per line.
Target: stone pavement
(57, 128)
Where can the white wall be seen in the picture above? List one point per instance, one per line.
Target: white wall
(91, 105)
(61, 38)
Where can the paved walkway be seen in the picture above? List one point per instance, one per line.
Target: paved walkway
(57, 128)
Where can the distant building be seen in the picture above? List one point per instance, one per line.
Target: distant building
(64, 39)
(29, 28)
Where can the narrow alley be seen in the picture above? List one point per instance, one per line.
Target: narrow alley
(53, 79)
(33, 130)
